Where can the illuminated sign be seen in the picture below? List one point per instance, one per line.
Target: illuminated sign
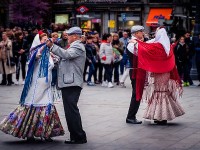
(82, 9)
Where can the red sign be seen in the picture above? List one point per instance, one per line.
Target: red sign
(82, 9)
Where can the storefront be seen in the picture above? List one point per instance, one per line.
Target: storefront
(90, 21)
(99, 14)
(62, 18)
(131, 18)
(157, 16)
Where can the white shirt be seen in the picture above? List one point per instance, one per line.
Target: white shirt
(133, 47)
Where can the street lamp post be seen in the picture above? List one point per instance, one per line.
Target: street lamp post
(74, 23)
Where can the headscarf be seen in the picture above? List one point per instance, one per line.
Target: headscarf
(36, 41)
(162, 38)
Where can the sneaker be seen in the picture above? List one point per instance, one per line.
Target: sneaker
(17, 83)
(90, 83)
(23, 82)
(104, 84)
(122, 85)
(110, 85)
(192, 85)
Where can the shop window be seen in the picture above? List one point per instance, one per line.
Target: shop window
(86, 25)
(62, 18)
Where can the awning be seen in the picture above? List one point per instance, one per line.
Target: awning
(158, 13)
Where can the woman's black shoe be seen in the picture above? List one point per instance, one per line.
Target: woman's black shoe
(163, 122)
(30, 139)
(48, 139)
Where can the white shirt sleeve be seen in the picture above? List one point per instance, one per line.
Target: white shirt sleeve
(133, 48)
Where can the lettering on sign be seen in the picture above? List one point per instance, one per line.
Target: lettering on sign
(159, 16)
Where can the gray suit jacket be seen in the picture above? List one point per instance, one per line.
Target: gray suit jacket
(71, 65)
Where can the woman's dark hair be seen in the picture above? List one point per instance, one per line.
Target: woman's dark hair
(180, 38)
(18, 34)
(105, 36)
(115, 42)
(89, 37)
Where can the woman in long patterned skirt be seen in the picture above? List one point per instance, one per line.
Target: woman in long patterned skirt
(164, 86)
(162, 97)
(36, 116)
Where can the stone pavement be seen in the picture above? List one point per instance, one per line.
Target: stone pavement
(103, 112)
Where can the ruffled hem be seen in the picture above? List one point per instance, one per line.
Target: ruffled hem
(167, 109)
(162, 100)
(31, 121)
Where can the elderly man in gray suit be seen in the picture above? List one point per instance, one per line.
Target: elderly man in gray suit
(70, 81)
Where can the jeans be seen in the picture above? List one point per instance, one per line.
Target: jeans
(123, 63)
(91, 71)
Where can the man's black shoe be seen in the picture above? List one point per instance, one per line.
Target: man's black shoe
(2, 83)
(75, 142)
(133, 121)
(9, 84)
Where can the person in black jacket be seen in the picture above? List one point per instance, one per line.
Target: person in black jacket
(21, 51)
(91, 58)
(190, 44)
(182, 56)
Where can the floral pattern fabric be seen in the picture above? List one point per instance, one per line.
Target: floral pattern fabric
(31, 121)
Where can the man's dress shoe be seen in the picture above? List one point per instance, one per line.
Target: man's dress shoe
(133, 121)
(75, 142)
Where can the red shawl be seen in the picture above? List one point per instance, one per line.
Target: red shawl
(153, 58)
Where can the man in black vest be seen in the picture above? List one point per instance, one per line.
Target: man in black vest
(137, 33)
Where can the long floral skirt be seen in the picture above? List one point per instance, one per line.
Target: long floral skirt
(162, 97)
(30, 121)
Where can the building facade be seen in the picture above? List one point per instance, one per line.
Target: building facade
(113, 15)
(4, 13)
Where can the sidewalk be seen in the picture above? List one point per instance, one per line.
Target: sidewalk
(103, 112)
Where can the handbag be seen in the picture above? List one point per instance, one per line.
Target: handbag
(117, 55)
(10, 61)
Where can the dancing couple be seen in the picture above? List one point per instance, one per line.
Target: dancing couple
(36, 116)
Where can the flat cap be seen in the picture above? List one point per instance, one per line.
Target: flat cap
(136, 28)
(74, 30)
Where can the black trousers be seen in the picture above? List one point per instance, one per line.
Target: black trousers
(6, 78)
(70, 97)
(98, 72)
(21, 65)
(134, 105)
(108, 72)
